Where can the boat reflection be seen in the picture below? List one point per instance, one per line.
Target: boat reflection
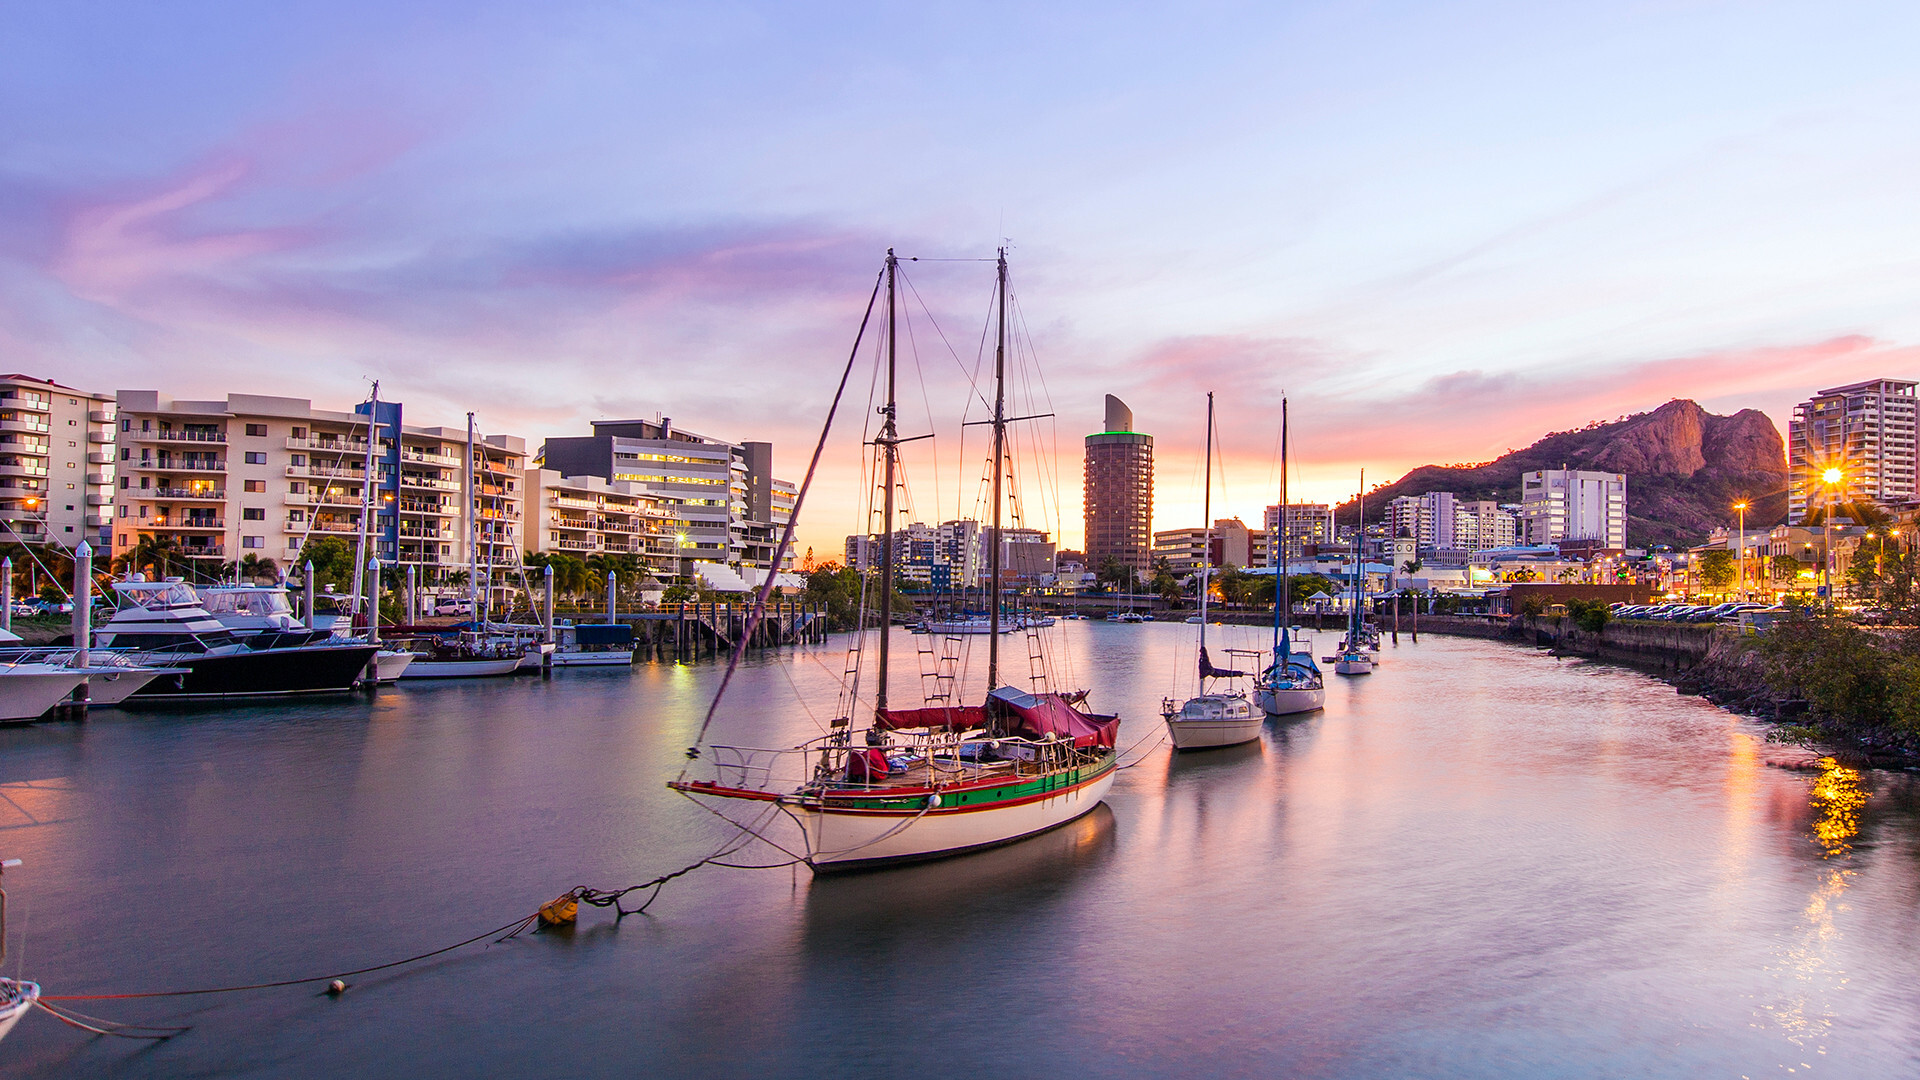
(1022, 876)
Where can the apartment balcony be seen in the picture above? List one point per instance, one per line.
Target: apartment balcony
(427, 484)
(188, 524)
(99, 457)
(327, 527)
(101, 416)
(326, 472)
(559, 522)
(414, 534)
(427, 509)
(571, 502)
(177, 436)
(311, 499)
(24, 422)
(619, 527)
(22, 468)
(329, 446)
(568, 543)
(194, 494)
(14, 399)
(444, 461)
(95, 498)
(210, 551)
(95, 521)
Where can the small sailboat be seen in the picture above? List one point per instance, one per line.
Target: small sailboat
(1292, 682)
(17, 996)
(1354, 659)
(925, 783)
(1211, 719)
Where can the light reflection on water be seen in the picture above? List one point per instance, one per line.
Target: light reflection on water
(1480, 861)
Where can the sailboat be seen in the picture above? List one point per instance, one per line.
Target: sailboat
(1216, 719)
(1353, 658)
(1292, 683)
(16, 995)
(924, 783)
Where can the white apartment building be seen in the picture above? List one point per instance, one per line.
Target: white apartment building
(588, 515)
(1479, 524)
(56, 462)
(1428, 519)
(1866, 430)
(258, 475)
(1306, 523)
(1573, 504)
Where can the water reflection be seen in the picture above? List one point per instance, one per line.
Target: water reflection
(1810, 963)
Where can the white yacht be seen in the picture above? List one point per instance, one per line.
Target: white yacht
(1292, 682)
(250, 610)
(593, 645)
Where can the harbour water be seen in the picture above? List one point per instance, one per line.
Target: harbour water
(1481, 861)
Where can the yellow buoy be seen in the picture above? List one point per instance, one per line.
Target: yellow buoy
(560, 911)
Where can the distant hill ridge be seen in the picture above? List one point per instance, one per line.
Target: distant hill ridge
(1685, 469)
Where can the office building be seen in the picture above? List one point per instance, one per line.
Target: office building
(1479, 524)
(1118, 494)
(56, 463)
(1232, 545)
(1573, 504)
(723, 505)
(1866, 431)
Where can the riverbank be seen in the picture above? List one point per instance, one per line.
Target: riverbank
(1717, 663)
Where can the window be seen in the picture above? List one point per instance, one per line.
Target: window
(123, 513)
(123, 537)
(72, 423)
(299, 461)
(125, 453)
(298, 487)
(69, 488)
(256, 429)
(126, 425)
(253, 513)
(123, 483)
(253, 541)
(256, 458)
(256, 486)
(299, 433)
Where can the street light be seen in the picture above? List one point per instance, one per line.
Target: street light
(1741, 507)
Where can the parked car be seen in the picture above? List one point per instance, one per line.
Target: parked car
(450, 607)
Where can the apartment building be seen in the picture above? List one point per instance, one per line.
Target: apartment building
(56, 462)
(1428, 519)
(1479, 524)
(258, 475)
(1865, 430)
(1573, 504)
(1118, 492)
(588, 515)
(722, 503)
(1306, 523)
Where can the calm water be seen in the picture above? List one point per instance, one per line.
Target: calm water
(1479, 862)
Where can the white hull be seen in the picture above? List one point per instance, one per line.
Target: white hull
(1288, 702)
(846, 838)
(111, 686)
(1207, 734)
(460, 669)
(592, 659)
(1353, 665)
(388, 666)
(29, 690)
(18, 997)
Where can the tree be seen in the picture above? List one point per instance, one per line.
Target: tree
(332, 559)
(1234, 584)
(1164, 583)
(155, 556)
(257, 568)
(1717, 568)
(1784, 567)
(1116, 576)
(1305, 585)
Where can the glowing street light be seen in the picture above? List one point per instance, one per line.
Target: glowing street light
(1741, 508)
(1832, 477)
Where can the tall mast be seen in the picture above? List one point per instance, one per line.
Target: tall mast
(1206, 544)
(473, 529)
(1359, 559)
(366, 507)
(888, 448)
(1283, 599)
(999, 455)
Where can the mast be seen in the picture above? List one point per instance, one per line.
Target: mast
(366, 505)
(887, 441)
(1206, 544)
(999, 455)
(1283, 599)
(1359, 564)
(473, 529)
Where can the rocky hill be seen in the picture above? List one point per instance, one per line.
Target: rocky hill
(1685, 467)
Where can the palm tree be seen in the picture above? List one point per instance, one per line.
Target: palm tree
(256, 567)
(154, 554)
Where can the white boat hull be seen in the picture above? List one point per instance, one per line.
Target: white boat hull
(460, 669)
(27, 691)
(1289, 701)
(592, 659)
(842, 839)
(389, 665)
(1214, 720)
(1353, 665)
(15, 999)
(111, 686)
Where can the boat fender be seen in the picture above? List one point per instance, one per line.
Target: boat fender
(933, 801)
(337, 987)
(561, 910)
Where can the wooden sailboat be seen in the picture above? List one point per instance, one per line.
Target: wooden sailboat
(928, 782)
(1292, 682)
(1211, 719)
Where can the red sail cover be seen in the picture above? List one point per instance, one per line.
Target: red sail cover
(1039, 715)
(954, 718)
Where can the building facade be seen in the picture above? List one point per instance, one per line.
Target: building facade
(1479, 524)
(255, 475)
(56, 463)
(1428, 519)
(1232, 544)
(584, 516)
(1304, 524)
(1118, 494)
(1865, 430)
(723, 505)
(1573, 504)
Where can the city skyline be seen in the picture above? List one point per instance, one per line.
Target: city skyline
(1441, 235)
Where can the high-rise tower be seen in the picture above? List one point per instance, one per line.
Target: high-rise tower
(1119, 493)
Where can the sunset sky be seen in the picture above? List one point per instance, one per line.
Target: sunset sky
(1441, 229)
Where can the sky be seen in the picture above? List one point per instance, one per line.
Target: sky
(1440, 230)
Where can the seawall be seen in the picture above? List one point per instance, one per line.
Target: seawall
(1672, 647)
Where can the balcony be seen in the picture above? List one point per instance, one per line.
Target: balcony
(197, 494)
(94, 498)
(325, 472)
(311, 499)
(357, 447)
(101, 416)
(99, 457)
(14, 399)
(195, 524)
(95, 521)
(413, 457)
(22, 468)
(328, 527)
(176, 436)
(10, 421)
(424, 483)
(100, 438)
(210, 551)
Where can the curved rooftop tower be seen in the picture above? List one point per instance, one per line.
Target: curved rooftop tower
(1118, 497)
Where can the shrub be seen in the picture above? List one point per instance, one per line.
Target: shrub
(1589, 615)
